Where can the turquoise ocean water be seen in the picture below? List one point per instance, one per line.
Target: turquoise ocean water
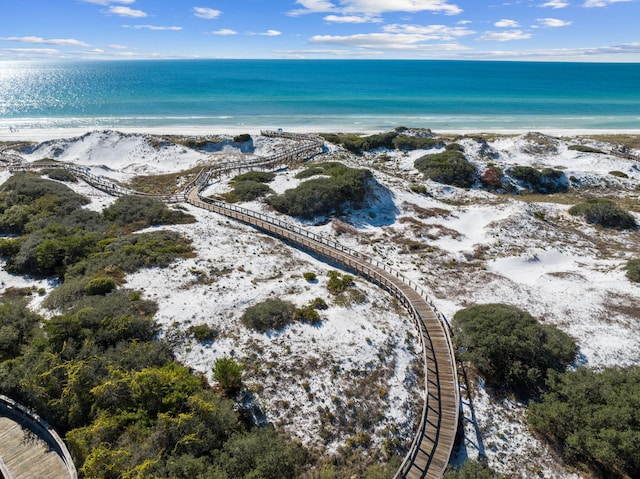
(313, 94)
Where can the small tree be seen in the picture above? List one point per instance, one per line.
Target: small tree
(228, 373)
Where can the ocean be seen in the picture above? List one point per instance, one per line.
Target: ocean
(349, 95)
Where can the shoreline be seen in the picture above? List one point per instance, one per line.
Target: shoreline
(45, 134)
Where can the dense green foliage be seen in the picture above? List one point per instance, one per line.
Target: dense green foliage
(60, 174)
(604, 213)
(619, 174)
(56, 234)
(228, 373)
(510, 348)
(338, 282)
(544, 181)
(450, 167)
(250, 186)
(271, 313)
(594, 418)
(203, 332)
(97, 371)
(339, 186)
(633, 270)
(390, 140)
(242, 138)
(472, 470)
(259, 176)
(586, 149)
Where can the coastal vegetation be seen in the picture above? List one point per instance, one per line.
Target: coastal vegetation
(450, 167)
(96, 370)
(250, 186)
(510, 348)
(393, 140)
(545, 181)
(337, 187)
(604, 213)
(633, 270)
(592, 418)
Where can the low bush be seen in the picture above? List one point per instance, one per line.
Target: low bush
(269, 314)
(633, 270)
(492, 178)
(604, 213)
(228, 373)
(450, 167)
(60, 174)
(203, 332)
(243, 137)
(258, 176)
(389, 140)
(410, 143)
(339, 282)
(586, 149)
(140, 212)
(327, 195)
(545, 181)
(619, 174)
(510, 348)
(309, 276)
(247, 190)
(472, 470)
(100, 286)
(593, 418)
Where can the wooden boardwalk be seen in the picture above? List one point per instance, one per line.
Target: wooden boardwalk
(429, 454)
(29, 448)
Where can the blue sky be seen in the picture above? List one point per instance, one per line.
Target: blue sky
(566, 30)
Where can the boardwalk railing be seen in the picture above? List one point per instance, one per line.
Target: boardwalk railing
(431, 448)
(10, 408)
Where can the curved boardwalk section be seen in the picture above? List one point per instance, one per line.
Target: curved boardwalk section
(29, 447)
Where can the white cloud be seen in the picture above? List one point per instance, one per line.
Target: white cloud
(109, 2)
(224, 31)
(52, 41)
(126, 12)
(118, 47)
(464, 22)
(39, 51)
(506, 24)
(553, 22)
(601, 3)
(385, 41)
(429, 32)
(270, 33)
(206, 13)
(352, 19)
(375, 7)
(152, 27)
(555, 4)
(505, 36)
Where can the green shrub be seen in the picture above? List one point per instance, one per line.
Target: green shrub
(228, 373)
(309, 276)
(324, 196)
(472, 470)
(142, 212)
(604, 213)
(492, 178)
(100, 286)
(247, 190)
(319, 303)
(586, 149)
(258, 176)
(307, 314)
(339, 282)
(510, 348)
(409, 143)
(60, 174)
(269, 314)
(243, 137)
(203, 332)
(390, 140)
(309, 172)
(18, 325)
(619, 174)
(449, 167)
(633, 270)
(593, 418)
(543, 181)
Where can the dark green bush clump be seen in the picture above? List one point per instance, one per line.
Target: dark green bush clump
(247, 190)
(100, 286)
(339, 282)
(450, 167)
(633, 270)
(545, 181)
(203, 332)
(324, 196)
(241, 138)
(390, 140)
(269, 314)
(586, 149)
(619, 174)
(510, 348)
(593, 417)
(410, 143)
(60, 174)
(17, 326)
(604, 213)
(141, 212)
(259, 176)
(472, 470)
(228, 373)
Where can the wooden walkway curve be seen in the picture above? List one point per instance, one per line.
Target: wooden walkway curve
(29, 447)
(431, 449)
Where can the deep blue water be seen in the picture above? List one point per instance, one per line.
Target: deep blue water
(358, 94)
